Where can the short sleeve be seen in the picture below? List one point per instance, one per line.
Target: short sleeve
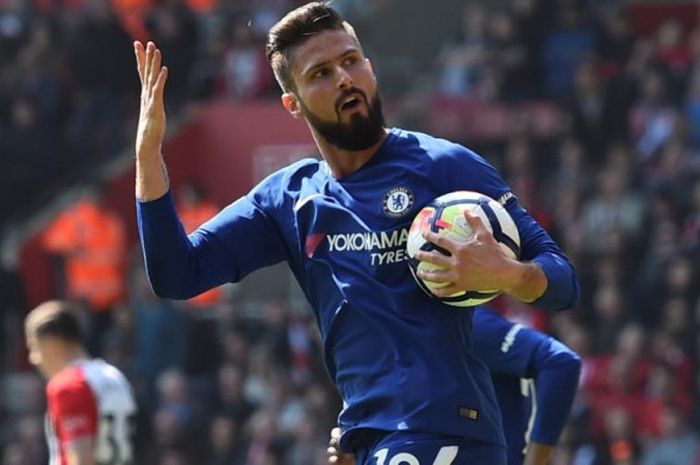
(73, 410)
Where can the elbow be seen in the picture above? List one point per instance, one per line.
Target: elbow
(165, 292)
(568, 365)
(573, 365)
(167, 289)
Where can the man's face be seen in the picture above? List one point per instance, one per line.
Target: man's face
(336, 90)
(37, 352)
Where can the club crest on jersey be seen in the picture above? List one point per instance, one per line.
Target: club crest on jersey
(397, 202)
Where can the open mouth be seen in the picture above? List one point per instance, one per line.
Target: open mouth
(351, 103)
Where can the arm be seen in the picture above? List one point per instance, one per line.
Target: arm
(543, 275)
(179, 266)
(81, 451)
(479, 263)
(556, 370)
(240, 239)
(73, 411)
(514, 351)
(539, 249)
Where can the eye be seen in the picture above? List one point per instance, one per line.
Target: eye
(320, 73)
(349, 61)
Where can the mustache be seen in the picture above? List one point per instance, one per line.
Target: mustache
(346, 93)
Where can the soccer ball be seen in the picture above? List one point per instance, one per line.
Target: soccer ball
(445, 216)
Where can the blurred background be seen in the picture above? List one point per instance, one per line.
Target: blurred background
(591, 109)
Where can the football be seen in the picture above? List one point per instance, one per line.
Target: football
(445, 216)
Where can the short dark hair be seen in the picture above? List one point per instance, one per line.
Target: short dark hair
(56, 318)
(295, 28)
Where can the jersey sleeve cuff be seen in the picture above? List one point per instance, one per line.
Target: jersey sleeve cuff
(562, 286)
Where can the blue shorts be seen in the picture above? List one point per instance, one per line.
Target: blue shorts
(413, 448)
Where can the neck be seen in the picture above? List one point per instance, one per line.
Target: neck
(345, 162)
(69, 356)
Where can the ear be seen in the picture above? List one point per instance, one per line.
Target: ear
(371, 68)
(291, 104)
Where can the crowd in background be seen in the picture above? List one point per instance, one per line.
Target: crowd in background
(617, 184)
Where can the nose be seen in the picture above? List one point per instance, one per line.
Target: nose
(344, 78)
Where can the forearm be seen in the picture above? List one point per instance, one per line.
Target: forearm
(556, 383)
(175, 264)
(151, 175)
(525, 281)
(561, 288)
(537, 453)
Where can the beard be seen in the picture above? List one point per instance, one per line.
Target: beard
(361, 133)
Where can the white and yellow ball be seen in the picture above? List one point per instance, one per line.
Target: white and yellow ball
(445, 216)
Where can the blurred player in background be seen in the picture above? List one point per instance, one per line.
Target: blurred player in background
(411, 388)
(535, 377)
(91, 409)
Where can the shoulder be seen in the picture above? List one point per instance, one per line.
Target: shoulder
(459, 166)
(68, 390)
(100, 375)
(69, 379)
(284, 182)
(492, 329)
(435, 148)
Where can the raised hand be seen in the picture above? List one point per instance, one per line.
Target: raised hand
(151, 128)
(478, 264)
(151, 176)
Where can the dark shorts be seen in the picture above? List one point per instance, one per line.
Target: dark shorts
(413, 448)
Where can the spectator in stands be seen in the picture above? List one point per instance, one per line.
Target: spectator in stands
(98, 81)
(230, 398)
(589, 106)
(652, 118)
(245, 73)
(462, 62)
(224, 441)
(26, 146)
(672, 52)
(173, 24)
(677, 445)
(566, 46)
(161, 342)
(615, 208)
(91, 240)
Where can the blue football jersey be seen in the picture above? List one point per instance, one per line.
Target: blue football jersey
(400, 359)
(535, 377)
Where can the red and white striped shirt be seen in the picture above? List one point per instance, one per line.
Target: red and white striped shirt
(91, 398)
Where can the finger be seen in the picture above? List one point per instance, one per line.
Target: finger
(159, 86)
(474, 221)
(436, 258)
(157, 68)
(150, 47)
(446, 291)
(332, 451)
(335, 433)
(440, 241)
(140, 59)
(436, 276)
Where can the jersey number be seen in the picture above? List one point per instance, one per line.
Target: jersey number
(445, 456)
(114, 446)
